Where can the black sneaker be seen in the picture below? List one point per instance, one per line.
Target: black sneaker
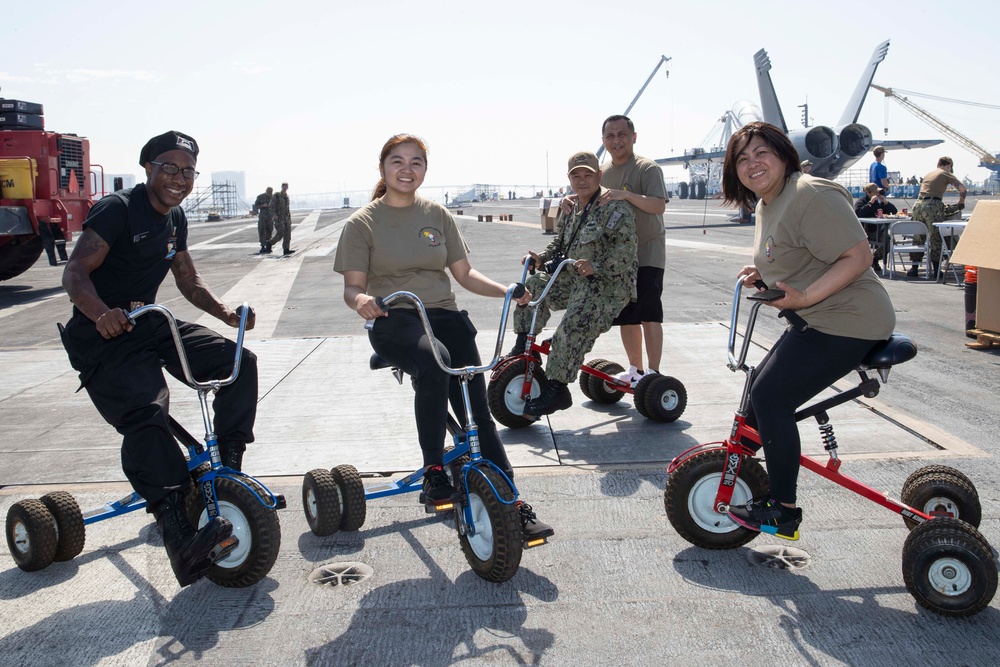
(531, 528)
(438, 489)
(912, 273)
(554, 397)
(768, 516)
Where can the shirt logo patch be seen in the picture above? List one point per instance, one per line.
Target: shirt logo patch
(171, 247)
(613, 220)
(769, 249)
(433, 236)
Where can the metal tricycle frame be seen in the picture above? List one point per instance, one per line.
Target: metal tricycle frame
(948, 566)
(466, 440)
(674, 397)
(198, 454)
(741, 432)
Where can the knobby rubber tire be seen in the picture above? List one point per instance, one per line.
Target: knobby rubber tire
(599, 389)
(666, 399)
(71, 532)
(256, 527)
(584, 379)
(689, 499)
(945, 490)
(353, 508)
(639, 394)
(935, 469)
(511, 379)
(498, 527)
(31, 535)
(948, 567)
(321, 502)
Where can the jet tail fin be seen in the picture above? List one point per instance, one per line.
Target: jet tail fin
(770, 109)
(853, 110)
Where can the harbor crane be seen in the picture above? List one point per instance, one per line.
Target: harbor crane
(986, 159)
(663, 60)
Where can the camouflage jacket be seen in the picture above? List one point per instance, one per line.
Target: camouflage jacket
(280, 206)
(263, 201)
(607, 240)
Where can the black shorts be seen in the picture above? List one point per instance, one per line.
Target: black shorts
(649, 305)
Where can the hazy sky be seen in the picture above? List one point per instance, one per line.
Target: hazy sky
(503, 92)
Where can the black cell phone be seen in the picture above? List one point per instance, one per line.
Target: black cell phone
(767, 295)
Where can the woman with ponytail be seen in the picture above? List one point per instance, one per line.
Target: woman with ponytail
(401, 241)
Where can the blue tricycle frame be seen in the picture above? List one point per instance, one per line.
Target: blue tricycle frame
(486, 514)
(40, 532)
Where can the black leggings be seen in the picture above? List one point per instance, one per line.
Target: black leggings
(799, 366)
(401, 340)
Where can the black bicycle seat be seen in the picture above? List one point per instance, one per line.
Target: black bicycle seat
(896, 350)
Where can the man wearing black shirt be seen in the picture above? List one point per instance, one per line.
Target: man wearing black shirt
(130, 240)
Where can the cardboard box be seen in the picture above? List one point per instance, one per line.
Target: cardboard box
(979, 246)
(17, 106)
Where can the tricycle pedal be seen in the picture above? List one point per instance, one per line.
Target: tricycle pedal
(223, 548)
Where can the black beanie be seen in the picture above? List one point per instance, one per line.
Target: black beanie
(168, 141)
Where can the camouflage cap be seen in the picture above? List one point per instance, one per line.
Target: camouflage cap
(584, 159)
(168, 141)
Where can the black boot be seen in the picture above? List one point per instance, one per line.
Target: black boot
(267, 248)
(554, 397)
(914, 270)
(192, 553)
(519, 344)
(231, 454)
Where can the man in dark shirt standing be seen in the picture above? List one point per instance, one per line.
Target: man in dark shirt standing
(129, 242)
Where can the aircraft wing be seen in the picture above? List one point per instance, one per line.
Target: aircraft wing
(697, 158)
(907, 144)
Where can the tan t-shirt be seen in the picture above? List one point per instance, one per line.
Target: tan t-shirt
(642, 176)
(799, 235)
(403, 249)
(936, 182)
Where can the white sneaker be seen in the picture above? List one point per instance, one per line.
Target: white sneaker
(632, 376)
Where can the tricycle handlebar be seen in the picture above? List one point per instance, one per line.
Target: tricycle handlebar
(213, 385)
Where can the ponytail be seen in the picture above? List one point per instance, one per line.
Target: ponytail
(380, 189)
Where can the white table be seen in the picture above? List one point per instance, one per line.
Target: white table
(950, 230)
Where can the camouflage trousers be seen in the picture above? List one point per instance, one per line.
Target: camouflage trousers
(590, 308)
(929, 211)
(283, 233)
(265, 226)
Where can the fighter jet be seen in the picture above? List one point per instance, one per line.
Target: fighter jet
(831, 149)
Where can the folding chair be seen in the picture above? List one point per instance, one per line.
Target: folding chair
(949, 239)
(901, 243)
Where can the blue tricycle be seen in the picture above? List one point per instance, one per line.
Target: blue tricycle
(486, 515)
(53, 528)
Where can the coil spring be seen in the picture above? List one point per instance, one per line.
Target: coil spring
(828, 437)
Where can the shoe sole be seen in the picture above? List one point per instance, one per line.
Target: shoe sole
(770, 530)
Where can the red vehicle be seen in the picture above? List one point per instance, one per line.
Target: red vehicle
(46, 189)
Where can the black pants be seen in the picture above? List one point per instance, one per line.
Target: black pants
(125, 381)
(401, 340)
(798, 367)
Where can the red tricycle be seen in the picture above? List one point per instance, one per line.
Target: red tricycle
(519, 377)
(948, 565)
